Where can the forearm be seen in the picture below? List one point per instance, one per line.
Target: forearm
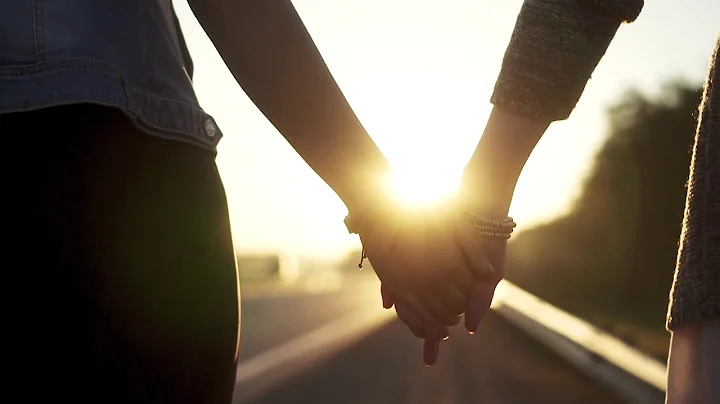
(554, 48)
(552, 53)
(490, 177)
(273, 58)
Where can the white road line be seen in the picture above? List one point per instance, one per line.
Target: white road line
(555, 327)
(275, 365)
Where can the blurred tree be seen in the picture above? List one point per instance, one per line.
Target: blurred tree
(614, 252)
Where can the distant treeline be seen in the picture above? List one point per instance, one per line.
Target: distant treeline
(613, 254)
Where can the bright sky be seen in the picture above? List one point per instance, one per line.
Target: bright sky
(391, 59)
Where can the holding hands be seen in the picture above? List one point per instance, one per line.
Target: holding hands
(434, 266)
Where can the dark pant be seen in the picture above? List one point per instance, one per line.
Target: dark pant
(119, 272)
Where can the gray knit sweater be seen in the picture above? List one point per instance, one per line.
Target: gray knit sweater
(553, 51)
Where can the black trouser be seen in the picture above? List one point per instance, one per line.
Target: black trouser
(119, 273)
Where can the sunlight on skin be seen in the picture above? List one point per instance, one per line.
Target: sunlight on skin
(419, 75)
(416, 188)
(426, 121)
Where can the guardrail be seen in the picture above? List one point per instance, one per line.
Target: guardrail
(594, 351)
(631, 374)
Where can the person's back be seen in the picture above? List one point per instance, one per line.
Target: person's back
(126, 54)
(125, 264)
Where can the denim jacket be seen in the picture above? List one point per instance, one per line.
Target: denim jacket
(127, 54)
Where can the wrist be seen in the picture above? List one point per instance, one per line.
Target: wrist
(490, 177)
(362, 189)
(348, 160)
(481, 193)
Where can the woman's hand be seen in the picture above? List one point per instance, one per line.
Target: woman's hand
(430, 261)
(478, 304)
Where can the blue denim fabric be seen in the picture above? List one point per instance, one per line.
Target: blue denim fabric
(128, 54)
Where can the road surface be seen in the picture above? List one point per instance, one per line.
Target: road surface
(333, 343)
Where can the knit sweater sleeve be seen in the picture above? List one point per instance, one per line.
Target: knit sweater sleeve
(554, 48)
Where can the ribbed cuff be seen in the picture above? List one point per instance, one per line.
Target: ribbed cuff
(678, 315)
(553, 51)
(627, 10)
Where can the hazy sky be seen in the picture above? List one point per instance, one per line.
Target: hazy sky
(392, 59)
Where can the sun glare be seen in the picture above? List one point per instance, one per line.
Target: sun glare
(420, 188)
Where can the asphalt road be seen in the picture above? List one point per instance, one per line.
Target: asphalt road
(382, 364)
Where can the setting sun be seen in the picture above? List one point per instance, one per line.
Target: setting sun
(416, 187)
(419, 75)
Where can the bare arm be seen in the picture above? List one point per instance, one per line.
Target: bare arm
(493, 171)
(272, 56)
(554, 49)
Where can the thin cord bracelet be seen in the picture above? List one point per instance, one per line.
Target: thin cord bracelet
(486, 227)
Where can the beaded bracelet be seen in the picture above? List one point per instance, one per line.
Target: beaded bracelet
(492, 228)
(487, 227)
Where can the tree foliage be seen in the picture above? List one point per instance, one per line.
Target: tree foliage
(614, 252)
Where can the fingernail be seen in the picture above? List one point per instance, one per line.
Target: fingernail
(386, 301)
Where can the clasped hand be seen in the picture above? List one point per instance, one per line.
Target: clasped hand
(434, 266)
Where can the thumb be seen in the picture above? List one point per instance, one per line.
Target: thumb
(470, 243)
(388, 300)
(478, 305)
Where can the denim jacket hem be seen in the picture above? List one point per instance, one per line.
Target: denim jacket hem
(72, 81)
